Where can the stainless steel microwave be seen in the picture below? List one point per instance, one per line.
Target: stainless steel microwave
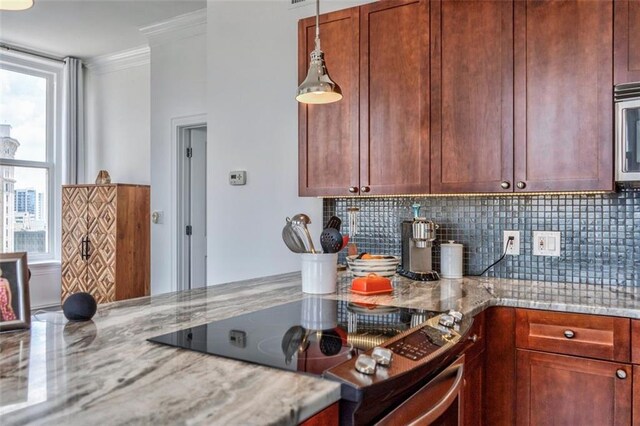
(627, 103)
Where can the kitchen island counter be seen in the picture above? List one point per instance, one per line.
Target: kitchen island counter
(105, 371)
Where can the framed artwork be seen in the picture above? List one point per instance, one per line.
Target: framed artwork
(15, 310)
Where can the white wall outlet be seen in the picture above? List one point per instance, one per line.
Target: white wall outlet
(546, 243)
(514, 246)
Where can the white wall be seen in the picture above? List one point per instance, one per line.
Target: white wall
(253, 116)
(118, 124)
(178, 89)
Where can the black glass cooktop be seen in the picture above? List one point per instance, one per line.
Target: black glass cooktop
(308, 336)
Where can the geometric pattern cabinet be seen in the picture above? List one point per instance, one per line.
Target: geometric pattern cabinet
(105, 241)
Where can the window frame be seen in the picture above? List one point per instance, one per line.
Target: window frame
(52, 71)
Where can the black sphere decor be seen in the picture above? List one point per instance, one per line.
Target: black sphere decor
(79, 307)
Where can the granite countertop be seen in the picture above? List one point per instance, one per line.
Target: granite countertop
(105, 371)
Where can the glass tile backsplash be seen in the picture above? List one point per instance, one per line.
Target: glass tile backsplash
(600, 233)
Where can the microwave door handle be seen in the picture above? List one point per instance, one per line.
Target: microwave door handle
(418, 417)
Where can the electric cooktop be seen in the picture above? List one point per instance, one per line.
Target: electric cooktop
(310, 335)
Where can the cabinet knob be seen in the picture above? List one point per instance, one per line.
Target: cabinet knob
(353, 189)
(473, 338)
(365, 189)
(521, 185)
(569, 334)
(621, 374)
(505, 184)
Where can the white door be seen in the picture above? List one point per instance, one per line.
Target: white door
(194, 208)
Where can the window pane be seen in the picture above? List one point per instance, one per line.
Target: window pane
(23, 116)
(24, 210)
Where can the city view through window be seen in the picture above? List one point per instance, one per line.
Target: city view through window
(23, 189)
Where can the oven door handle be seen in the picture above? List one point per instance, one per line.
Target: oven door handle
(412, 411)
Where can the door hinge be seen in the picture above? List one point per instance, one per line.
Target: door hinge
(189, 152)
(189, 230)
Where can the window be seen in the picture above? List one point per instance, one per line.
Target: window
(29, 128)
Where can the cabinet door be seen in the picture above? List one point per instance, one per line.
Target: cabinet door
(636, 395)
(472, 392)
(74, 230)
(567, 390)
(563, 95)
(394, 97)
(328, 134)
(101, 216)
(472, 96)
(627, 41)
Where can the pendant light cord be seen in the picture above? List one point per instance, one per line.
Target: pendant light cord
(317, 41)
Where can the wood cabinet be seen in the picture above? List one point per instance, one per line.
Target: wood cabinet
(328, 139)
(376, 139)
(330, 416)
(571, 390)
(636, 395)
(105, 241)
(573, 368)
(472, 392)
(472, 96)
(626, 41)
(563, 100)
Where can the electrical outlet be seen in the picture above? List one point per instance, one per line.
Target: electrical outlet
(514, 247)
(546, 243)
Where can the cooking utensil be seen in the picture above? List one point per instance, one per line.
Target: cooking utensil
(291, 238)
(301, 220)
(334, 222)
(291, 341)
(331, 240)
(352, 213)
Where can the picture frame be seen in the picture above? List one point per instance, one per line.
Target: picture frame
(15, 306)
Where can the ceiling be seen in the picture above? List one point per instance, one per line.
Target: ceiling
(87, 28)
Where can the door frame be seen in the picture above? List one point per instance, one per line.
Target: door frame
(180, 126)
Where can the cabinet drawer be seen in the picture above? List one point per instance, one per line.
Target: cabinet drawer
(635, 342)
(574, 334)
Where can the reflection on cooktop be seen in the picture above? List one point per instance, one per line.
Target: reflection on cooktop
(308, 336)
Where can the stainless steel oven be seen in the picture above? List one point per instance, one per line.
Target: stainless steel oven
(627, 103)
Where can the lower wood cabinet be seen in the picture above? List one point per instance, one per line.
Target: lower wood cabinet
(472, 392)
(636, 395)
(569, 390)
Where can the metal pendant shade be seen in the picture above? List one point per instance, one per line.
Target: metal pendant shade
(318, 88)
(15, 4)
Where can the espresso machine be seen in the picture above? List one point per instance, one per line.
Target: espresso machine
(418, 236)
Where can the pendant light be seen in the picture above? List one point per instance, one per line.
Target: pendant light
(15, 4)
(318, 88)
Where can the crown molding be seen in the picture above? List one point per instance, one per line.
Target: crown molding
(181, 26)
(120, 60)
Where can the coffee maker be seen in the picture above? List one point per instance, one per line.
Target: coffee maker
(418, 236)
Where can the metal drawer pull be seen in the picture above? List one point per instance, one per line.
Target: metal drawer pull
(569, 334)
(365, 189)
(353, 189)
(521, 185)
(505, 184)
(621, 374)
(473, 338)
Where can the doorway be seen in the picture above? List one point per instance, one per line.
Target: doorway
(192, 207)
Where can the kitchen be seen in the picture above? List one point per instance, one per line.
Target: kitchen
(607, 261)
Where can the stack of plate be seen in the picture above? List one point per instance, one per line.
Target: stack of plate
(382, 265)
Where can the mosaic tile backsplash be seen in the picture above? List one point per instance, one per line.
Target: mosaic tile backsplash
(600, 233)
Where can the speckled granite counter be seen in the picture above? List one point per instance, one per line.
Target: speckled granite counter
(105, 372)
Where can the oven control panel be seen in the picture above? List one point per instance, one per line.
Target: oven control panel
(420, 343)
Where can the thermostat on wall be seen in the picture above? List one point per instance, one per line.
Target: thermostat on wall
(238, 177)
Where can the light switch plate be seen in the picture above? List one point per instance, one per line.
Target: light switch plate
(546, 243)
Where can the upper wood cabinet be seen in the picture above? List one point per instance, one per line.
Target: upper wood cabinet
(394, 97)
(563, 95)
(376, 139)
(626, 41)
(472, 96)
(328, 134)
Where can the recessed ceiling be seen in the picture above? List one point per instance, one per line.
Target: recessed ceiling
(88, 28)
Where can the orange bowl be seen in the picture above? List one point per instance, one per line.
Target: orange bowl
(371, 284)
